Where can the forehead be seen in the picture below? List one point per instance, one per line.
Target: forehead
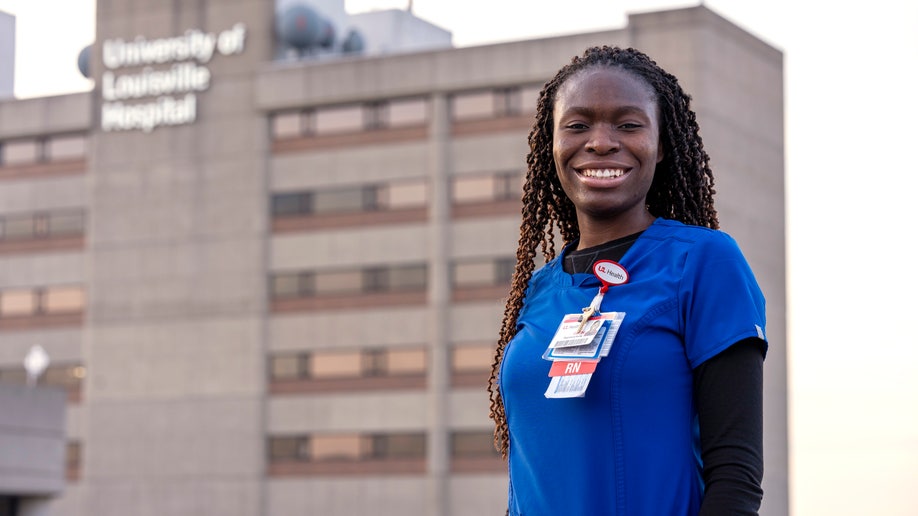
(604, 84)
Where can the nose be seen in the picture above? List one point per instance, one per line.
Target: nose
(603, 140)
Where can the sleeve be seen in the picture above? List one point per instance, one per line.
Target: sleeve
(728, 394)
(721, 301)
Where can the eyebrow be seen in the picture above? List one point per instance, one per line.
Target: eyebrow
(623, 110)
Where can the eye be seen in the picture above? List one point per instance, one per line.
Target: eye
(630, 126)
(576, 126)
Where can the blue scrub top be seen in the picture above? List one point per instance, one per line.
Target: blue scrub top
(630, 446)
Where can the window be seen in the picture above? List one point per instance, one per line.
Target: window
(339, 119)
(405, 361)
(336, 364)
(363, 198)
(529, 98)
(63, 300)
(405, 277)
(472, 358)
(405, 112)
(42, 225)
(473, 105)
(350, 118)
(65, 147)
(74, 454)
(340, 447)
(17, 376)
(287, 125)
(290, 204)
(284, 448)
(18, 302)
(65, 223)
(372, 362)
(339, 282)
(399, 446)
(348, 199)
(285, 367)
(287, 285)
(19, 227)
(68, 376)
(499, 102)
(483, 272)
(69, 299)
(37, 150)
(349, 282)
(347, 447)
(501, 186)
(18, 152)
(403, 194)
(470, 444)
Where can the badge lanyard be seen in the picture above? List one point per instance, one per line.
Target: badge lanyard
(582, 340)
(610, 274)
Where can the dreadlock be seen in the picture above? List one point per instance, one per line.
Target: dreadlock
(682, 187)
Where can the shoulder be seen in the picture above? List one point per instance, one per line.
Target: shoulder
(697, 241)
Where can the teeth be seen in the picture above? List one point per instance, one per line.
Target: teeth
(605, 172)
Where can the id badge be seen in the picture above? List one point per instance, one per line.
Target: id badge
(573, 360)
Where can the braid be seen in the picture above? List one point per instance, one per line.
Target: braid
(682, 188)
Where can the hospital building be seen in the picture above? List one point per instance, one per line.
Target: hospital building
(266, 254)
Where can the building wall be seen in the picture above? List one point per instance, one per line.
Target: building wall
(184, 256)
(32, 439)
(7, 54)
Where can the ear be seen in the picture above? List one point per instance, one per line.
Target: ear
(660, 153)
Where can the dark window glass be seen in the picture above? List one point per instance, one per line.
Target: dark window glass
(473, 444)
(399, 446)
(289, 204)
(65, 223)
(283, 448)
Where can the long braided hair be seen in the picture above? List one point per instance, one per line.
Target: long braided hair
(682, 188)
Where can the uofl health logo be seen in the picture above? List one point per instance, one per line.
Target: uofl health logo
(170, 94)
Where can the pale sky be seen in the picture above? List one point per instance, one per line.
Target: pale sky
(850, 78)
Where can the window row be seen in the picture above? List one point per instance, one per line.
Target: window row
(42, 225)
(370, 280)
(25, 151)
(405, 112)
(502, 186)
(494, 103)
(357, 447)
(464, 273)
(375, 362)
(326, 120)
(18, 302)
(393, 196)
(67, 376)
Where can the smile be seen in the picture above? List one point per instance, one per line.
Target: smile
(603, 172)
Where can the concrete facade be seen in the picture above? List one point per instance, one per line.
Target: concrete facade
(7, 54)
(32, 432)
(187, 253)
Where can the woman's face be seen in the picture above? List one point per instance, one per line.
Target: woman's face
(606, 144)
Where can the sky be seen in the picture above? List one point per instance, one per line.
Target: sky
(850, 80)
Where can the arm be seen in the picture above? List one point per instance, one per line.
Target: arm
(728, 394)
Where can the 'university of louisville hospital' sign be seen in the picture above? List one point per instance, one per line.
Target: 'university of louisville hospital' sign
(170, 94)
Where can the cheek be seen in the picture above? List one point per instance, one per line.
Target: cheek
(560, 150)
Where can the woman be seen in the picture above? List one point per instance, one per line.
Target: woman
(669, 421)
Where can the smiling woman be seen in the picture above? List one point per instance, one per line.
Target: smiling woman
(656, 406)
(606, 146)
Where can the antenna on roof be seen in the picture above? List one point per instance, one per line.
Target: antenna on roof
(410, 6)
